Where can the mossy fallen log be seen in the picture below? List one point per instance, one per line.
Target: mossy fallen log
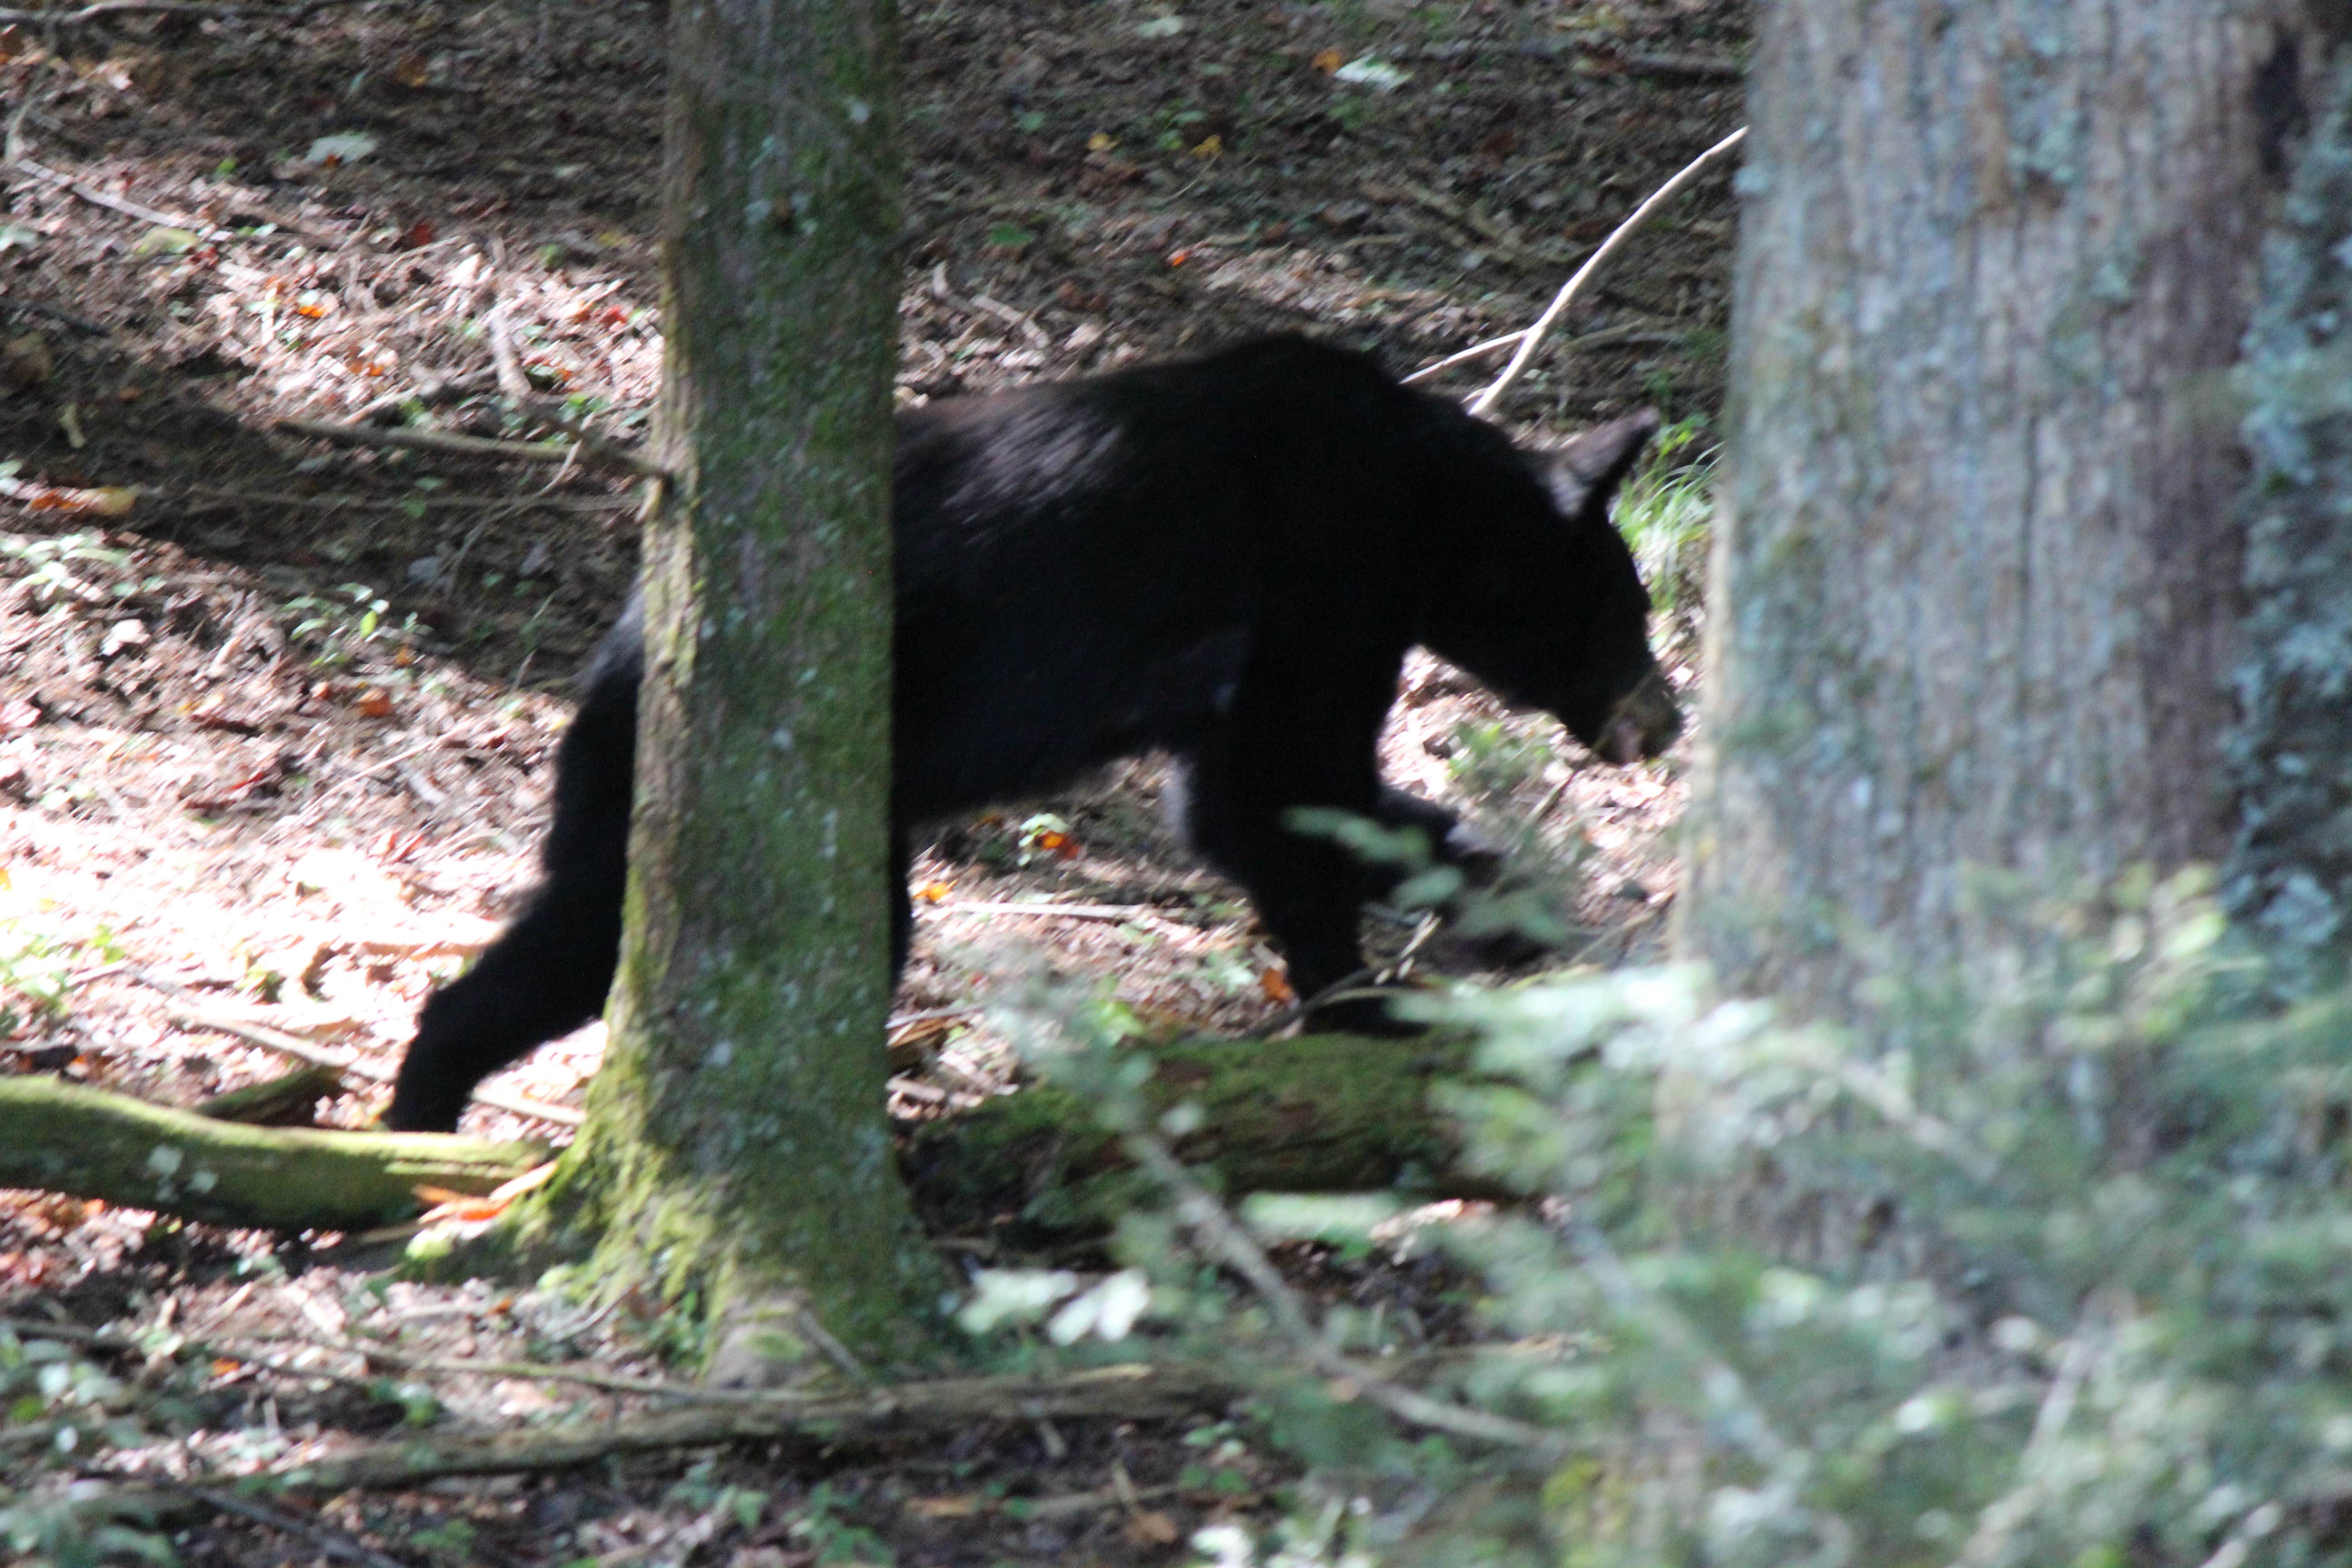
(85, 1142)
(1319, 1113)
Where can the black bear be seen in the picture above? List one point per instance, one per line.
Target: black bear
(1227, 558)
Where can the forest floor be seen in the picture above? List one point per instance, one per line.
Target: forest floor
(277, 715)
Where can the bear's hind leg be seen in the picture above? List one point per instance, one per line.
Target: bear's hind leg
(548, 972)
(546, 976)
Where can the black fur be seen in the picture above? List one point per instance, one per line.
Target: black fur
(1227, 558)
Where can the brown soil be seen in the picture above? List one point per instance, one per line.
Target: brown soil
(274, 741)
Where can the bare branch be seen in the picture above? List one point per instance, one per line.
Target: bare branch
(1533, 338)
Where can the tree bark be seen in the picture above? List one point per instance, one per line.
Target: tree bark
(2292, 754)
(64, 1138)
(736, 1157)
(1975, 591)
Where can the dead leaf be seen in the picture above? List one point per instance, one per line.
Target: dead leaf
(1276, 985)
(911, 1043)
(19, 713)
(965, 1507)
(342, 147)
(25, 361)
(374, 702)
(109, 500)
(212, 714)
(1152, 1528)
(447, 1205)
(1328, 60)
(165, 241)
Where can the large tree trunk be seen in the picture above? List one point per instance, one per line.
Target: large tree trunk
(735, 1151)
(1976, 590)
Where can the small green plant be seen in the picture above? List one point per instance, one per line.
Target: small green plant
(831, 1538)
(1493, 763)
(699, 1489)
(1667, 514)
(340, 628)
(449, 1540)
(50, 559)
(58, 1409)
(39, 968)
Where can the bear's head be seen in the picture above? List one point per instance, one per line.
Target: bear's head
(1540, 598)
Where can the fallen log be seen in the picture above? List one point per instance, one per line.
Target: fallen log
(86, 1143)
(1320, 1113)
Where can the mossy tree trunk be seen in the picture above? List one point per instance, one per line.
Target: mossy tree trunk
(735, 1151)
(1976, 587)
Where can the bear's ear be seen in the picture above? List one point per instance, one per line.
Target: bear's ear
(1587, 470)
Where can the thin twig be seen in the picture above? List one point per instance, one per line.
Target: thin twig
(1636, 1304)
(1692, 67)
(592, 451)
(1050, 911)
(1228, 1241)
(2001, 1519)
(1020, 321)
(610, 1383)
(123, 204)
(105, 8)
(1485, 401)
(503, 357)
(1606, 337)
(429, 392)
(421, 498)
(1501, 239)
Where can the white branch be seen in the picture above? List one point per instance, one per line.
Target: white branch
(1532, 338)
